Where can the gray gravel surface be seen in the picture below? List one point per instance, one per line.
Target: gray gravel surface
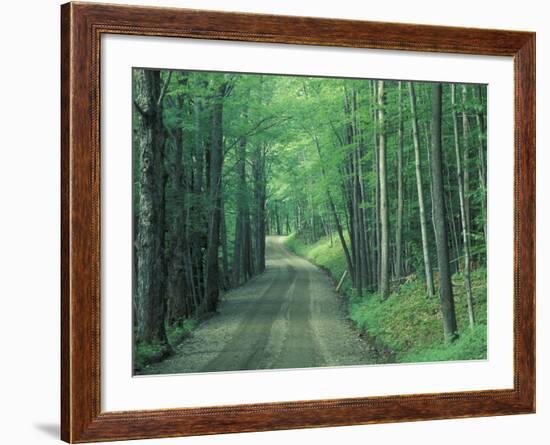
(288, 317)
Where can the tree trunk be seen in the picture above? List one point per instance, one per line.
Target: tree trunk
(464, 223)
(384, 215)
(399, 228)
(420, 192)
(151, 266)
(353, 188)
(334, 212)
(466, 160)
(225, 254)
(258, 173)
(481, 155)
(363, 236)
(445, 285)
(212, 289)
(377, 181)
(242, 200)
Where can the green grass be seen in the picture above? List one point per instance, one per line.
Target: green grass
(179, 331)
(407, 323)
(147, 353)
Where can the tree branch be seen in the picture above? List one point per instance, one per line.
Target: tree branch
(164, 88)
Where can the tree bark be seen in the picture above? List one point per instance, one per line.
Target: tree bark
(481, 155)
(399, 228)
(260, 194)
(376, 168)
(384, 215)
(151, 265)
(334, 212)
(464, 222)
(242, 200)
(445, 285)
(212, 290)
(466, 160)
(420, 192)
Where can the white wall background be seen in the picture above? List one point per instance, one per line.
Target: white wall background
(29, 219)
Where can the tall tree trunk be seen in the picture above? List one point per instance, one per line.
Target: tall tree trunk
(175, 280)
(377, 181)
(384, 215)
(178, 287)
(277, 221)
(481, 154)
(242, 200)
(334, 212)
(445, 285)
(451, 217)
(225, 254)
(197, 212)
(363, 235)
(464, 222)
(247, 251)
(151, 266)
(353, 192)
(430, 180)
(466, 161)
(399, 228)
(212, 289)
(420, 192)
(258, 167)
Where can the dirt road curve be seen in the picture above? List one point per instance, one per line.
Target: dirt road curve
(288, 317)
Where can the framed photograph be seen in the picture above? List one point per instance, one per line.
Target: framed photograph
(274, 222)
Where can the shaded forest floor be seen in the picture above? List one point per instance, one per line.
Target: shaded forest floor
(406, 325)
(288, 317)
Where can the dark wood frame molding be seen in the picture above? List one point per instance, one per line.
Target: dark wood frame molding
(82, 25)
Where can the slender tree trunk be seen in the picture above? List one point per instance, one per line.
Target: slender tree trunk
(277, 221)
(197, 213)
(481, 155)
(175, 280)
(363, 238)
(465, 228)
(225, 254)
(420, 191)
(466, 161)
(247, 252)
(334, 212)
(353, 192)
(178, 287)
(445, 284)
(451, 217)
(258, 166)
(376, 166)
(212, 290)
(399, 228)
(242, 200)
(430, 180)
(384, 215)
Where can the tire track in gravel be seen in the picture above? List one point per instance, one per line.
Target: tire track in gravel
(288, 317)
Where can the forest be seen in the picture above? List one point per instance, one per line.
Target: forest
(381, 183)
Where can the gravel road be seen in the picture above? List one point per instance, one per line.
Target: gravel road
(288, 317)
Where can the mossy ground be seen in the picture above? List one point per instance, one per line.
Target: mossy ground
(407, 323)
(147, 353)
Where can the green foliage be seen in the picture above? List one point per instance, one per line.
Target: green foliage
(407, 322)
(471, 345)
(179, 331)
(300, 154)
(147, 353)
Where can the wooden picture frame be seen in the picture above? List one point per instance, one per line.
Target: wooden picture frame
(82, 25)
